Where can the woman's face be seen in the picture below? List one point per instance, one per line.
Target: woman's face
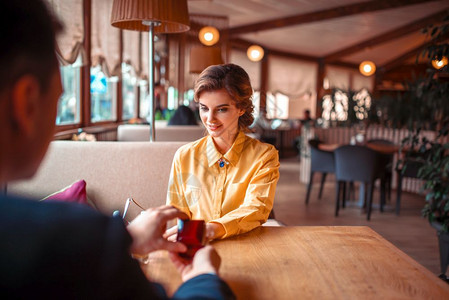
(219, 114)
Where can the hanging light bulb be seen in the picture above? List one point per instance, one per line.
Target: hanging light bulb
(209, 35)
(438, 64)
(367, 68)
(255, 53)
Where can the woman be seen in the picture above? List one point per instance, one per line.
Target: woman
(226, 178)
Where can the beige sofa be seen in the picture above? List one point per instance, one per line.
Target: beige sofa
(131, 132)
(113, 172)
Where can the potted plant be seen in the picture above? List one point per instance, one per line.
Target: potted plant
(428, 100)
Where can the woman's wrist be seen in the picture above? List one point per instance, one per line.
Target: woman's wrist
(214, 230)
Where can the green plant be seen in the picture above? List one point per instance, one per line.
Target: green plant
(433, 159)
(435, 172)
(428, 109)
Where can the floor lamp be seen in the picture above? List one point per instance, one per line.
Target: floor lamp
(154, 16)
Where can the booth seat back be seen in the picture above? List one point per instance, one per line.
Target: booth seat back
(113, 172)
(187, 133)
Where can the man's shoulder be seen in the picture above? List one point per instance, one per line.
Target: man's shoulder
(51, 218)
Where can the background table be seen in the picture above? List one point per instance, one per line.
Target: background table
(384, 149)
(313, 263)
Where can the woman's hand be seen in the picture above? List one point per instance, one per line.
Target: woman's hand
(171, 233)
(214, 231)
(205, 261)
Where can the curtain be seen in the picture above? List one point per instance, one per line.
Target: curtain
(297, 80)
(360, 82)
(346, 78)
(105, 37)
(338, 77)
(173, 68)
(131, 49)
(253, 69)
(69, 41)
(291, 77)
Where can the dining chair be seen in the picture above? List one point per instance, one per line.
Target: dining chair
(321, 161)
(409, 169)
(388, 161)
(361, 164)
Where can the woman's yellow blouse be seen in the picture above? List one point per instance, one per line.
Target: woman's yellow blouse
(239, 195)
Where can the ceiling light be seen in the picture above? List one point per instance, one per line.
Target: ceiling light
(255, 53)
(209, 35)
(367, 68)
(438, 64)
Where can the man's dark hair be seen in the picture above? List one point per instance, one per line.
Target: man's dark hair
(27, 39)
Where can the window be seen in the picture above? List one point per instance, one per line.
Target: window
(271, 106)
(342, 106)
(277, 106)
(69, 103)
(256, 103)
(103, 92)
(144, 99)
(188, 97)
(129, 91)
(362, 104)
(172, 98)
(335, 107)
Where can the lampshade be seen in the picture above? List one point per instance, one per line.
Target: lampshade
(367, 68)
(438, 64)
(203, 57)
(172, 15)
(255, 53)
(209, 35)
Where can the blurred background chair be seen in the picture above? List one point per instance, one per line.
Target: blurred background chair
(358, 163)
(387, 160)
(321, 161)
(409, 169)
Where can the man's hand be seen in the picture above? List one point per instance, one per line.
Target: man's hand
(205, 261)
(148, 228)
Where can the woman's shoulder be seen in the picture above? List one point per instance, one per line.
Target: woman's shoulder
(259, 147)
(192, 147)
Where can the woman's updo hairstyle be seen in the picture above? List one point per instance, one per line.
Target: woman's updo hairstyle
(235, 81)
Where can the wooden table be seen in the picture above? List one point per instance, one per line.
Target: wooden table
(313, 263)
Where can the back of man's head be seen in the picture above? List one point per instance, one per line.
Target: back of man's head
(27, 39)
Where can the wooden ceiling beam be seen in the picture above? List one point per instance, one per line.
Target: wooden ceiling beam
(409, 54)
(244, 44)
(332, 13)
(388, 36)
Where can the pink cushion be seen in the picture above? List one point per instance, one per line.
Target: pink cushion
(76, 192)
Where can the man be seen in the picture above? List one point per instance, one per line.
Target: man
(61, 250)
